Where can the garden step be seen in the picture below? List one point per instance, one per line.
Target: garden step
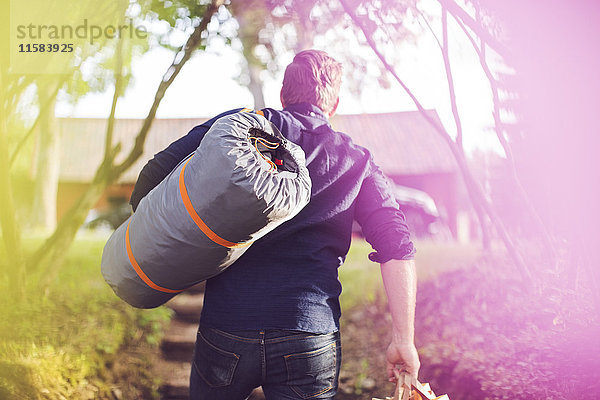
(175, 378)
(178, 342)
(187, 306)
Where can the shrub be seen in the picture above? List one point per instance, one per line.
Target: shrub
(67, 341)
(484, 334)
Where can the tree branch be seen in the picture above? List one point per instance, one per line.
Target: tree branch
(392, 71)
(18, 87)
(108, 150)
(182, 56)
(11, 236)
(450, 79)
(499, 129)
(424, 18)
(51, 252)
(474, 190)
(29, 133)
(458, 13)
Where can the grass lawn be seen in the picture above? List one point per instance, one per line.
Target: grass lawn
(67, 341)
(77, 340)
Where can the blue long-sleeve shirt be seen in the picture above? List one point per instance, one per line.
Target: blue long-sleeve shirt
(288, 279)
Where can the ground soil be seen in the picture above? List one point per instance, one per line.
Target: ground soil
(128, 375)
(365, 337)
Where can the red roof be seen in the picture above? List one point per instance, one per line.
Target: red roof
(402, 143)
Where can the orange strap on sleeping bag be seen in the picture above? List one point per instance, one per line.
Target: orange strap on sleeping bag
(197, 220)
(139, 271)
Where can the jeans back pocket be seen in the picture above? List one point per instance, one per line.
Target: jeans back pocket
(214, 365)
(312, 373)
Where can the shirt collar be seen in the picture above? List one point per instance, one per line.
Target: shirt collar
(307, 109)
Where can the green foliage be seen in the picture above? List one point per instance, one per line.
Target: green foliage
(61, 342)
(361, 279)
(153, 324)
(481, 332)
(181, 14)
(96, 66)
(95, 69)
(484, 334)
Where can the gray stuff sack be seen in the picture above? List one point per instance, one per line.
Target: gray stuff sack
(243, 181)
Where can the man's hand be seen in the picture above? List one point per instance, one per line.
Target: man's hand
(402, 357)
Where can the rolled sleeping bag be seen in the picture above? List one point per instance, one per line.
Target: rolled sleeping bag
(243, 181)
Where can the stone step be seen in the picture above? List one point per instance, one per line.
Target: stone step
(170, 392)
(187, 306)
(178, 387)
(175, 378)
(178, 342)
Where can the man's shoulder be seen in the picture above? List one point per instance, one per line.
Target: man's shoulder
(347, 140)
(283, 120)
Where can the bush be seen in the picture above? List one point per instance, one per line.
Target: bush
(484, 334)
(66, 341)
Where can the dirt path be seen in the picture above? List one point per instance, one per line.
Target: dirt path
(364, 339)
(177, 346)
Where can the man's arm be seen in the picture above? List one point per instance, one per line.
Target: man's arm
(384, 227)
(400, 281)
(165, 161)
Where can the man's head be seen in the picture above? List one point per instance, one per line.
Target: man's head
(313, 77)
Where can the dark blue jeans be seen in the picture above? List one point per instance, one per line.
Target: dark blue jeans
(288, 365)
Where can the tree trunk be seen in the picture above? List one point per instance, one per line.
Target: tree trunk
(248, 32)
(43, 215)
(256, 86)
(458, 143)
(48, 258)
(525, 200)
(486, 237)
(14, 269)
(50, 261)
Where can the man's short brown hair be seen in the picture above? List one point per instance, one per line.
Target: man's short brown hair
(313, 77)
